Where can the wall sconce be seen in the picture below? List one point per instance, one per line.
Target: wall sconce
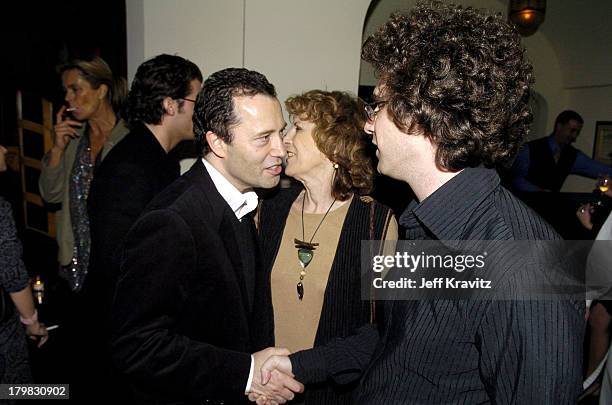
(527, 15)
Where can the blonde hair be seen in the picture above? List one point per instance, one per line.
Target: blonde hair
(97, 72)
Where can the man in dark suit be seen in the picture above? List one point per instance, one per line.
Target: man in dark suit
(191, 301)
(160, 108)
(451, 104)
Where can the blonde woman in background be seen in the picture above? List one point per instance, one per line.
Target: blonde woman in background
(87, 128)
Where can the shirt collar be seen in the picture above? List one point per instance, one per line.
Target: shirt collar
(552, 143)
(446, 212)
(240, 203)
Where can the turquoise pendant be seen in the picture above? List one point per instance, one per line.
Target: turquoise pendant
(305, 256)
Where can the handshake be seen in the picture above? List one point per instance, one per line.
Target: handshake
(273, 382)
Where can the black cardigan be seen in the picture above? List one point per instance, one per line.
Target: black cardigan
(343, 309)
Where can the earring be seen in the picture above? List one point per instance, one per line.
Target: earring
(336, 166)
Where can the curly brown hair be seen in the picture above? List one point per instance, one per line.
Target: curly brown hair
(338, 120)
(458, 75)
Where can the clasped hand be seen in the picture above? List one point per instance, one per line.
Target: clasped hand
(273, 382)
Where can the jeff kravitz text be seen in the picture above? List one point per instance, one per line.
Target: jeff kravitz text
(436, 283)
(426, 265)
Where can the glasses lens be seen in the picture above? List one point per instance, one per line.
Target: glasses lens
(370, 112)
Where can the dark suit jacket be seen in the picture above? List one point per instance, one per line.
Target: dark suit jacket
(183, 323)
(134, 172)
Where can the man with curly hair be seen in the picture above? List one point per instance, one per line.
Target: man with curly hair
(451, 105)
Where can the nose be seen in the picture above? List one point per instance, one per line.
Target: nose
(369, 127)
(278, 147)
(288, 138)
(68, 96)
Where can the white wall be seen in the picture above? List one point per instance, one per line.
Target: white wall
(299, 45)
(209, 33)
(134, 11)
(581, 32)
(303, 45)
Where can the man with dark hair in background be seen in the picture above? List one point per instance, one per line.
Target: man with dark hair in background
(160, 108)
(192, 301)
(452, 104)
(544, 164)
(159, 113)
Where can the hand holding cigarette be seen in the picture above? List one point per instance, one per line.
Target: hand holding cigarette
(65, 128)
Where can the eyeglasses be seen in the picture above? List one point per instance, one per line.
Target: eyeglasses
(188, 99)
(373, 108)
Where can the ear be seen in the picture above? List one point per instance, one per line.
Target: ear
(216, 144)
(102, 91)
(169, 106)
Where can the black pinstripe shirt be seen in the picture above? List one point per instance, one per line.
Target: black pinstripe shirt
(470, 351)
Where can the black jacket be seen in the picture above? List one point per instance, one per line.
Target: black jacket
(187, 311)
(134, 171)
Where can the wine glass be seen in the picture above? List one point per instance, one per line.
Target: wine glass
(603, 185)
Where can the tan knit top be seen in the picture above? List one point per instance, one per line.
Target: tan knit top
(295, 321)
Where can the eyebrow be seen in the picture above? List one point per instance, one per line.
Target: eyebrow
(263, 133)
(269, 131)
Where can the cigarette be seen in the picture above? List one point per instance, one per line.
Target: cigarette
(69, 109)
(52, 327)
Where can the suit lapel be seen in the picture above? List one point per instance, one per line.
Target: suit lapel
(227, 225)
(227, 231)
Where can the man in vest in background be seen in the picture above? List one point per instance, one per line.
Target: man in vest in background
(545, 163)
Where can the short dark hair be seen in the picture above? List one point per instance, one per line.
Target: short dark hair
(460, 77)
(214, 108)
(566, 116)
(157, 78)
(96, 72)
(339, 119)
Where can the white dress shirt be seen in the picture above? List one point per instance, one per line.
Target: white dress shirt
(240, 203)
